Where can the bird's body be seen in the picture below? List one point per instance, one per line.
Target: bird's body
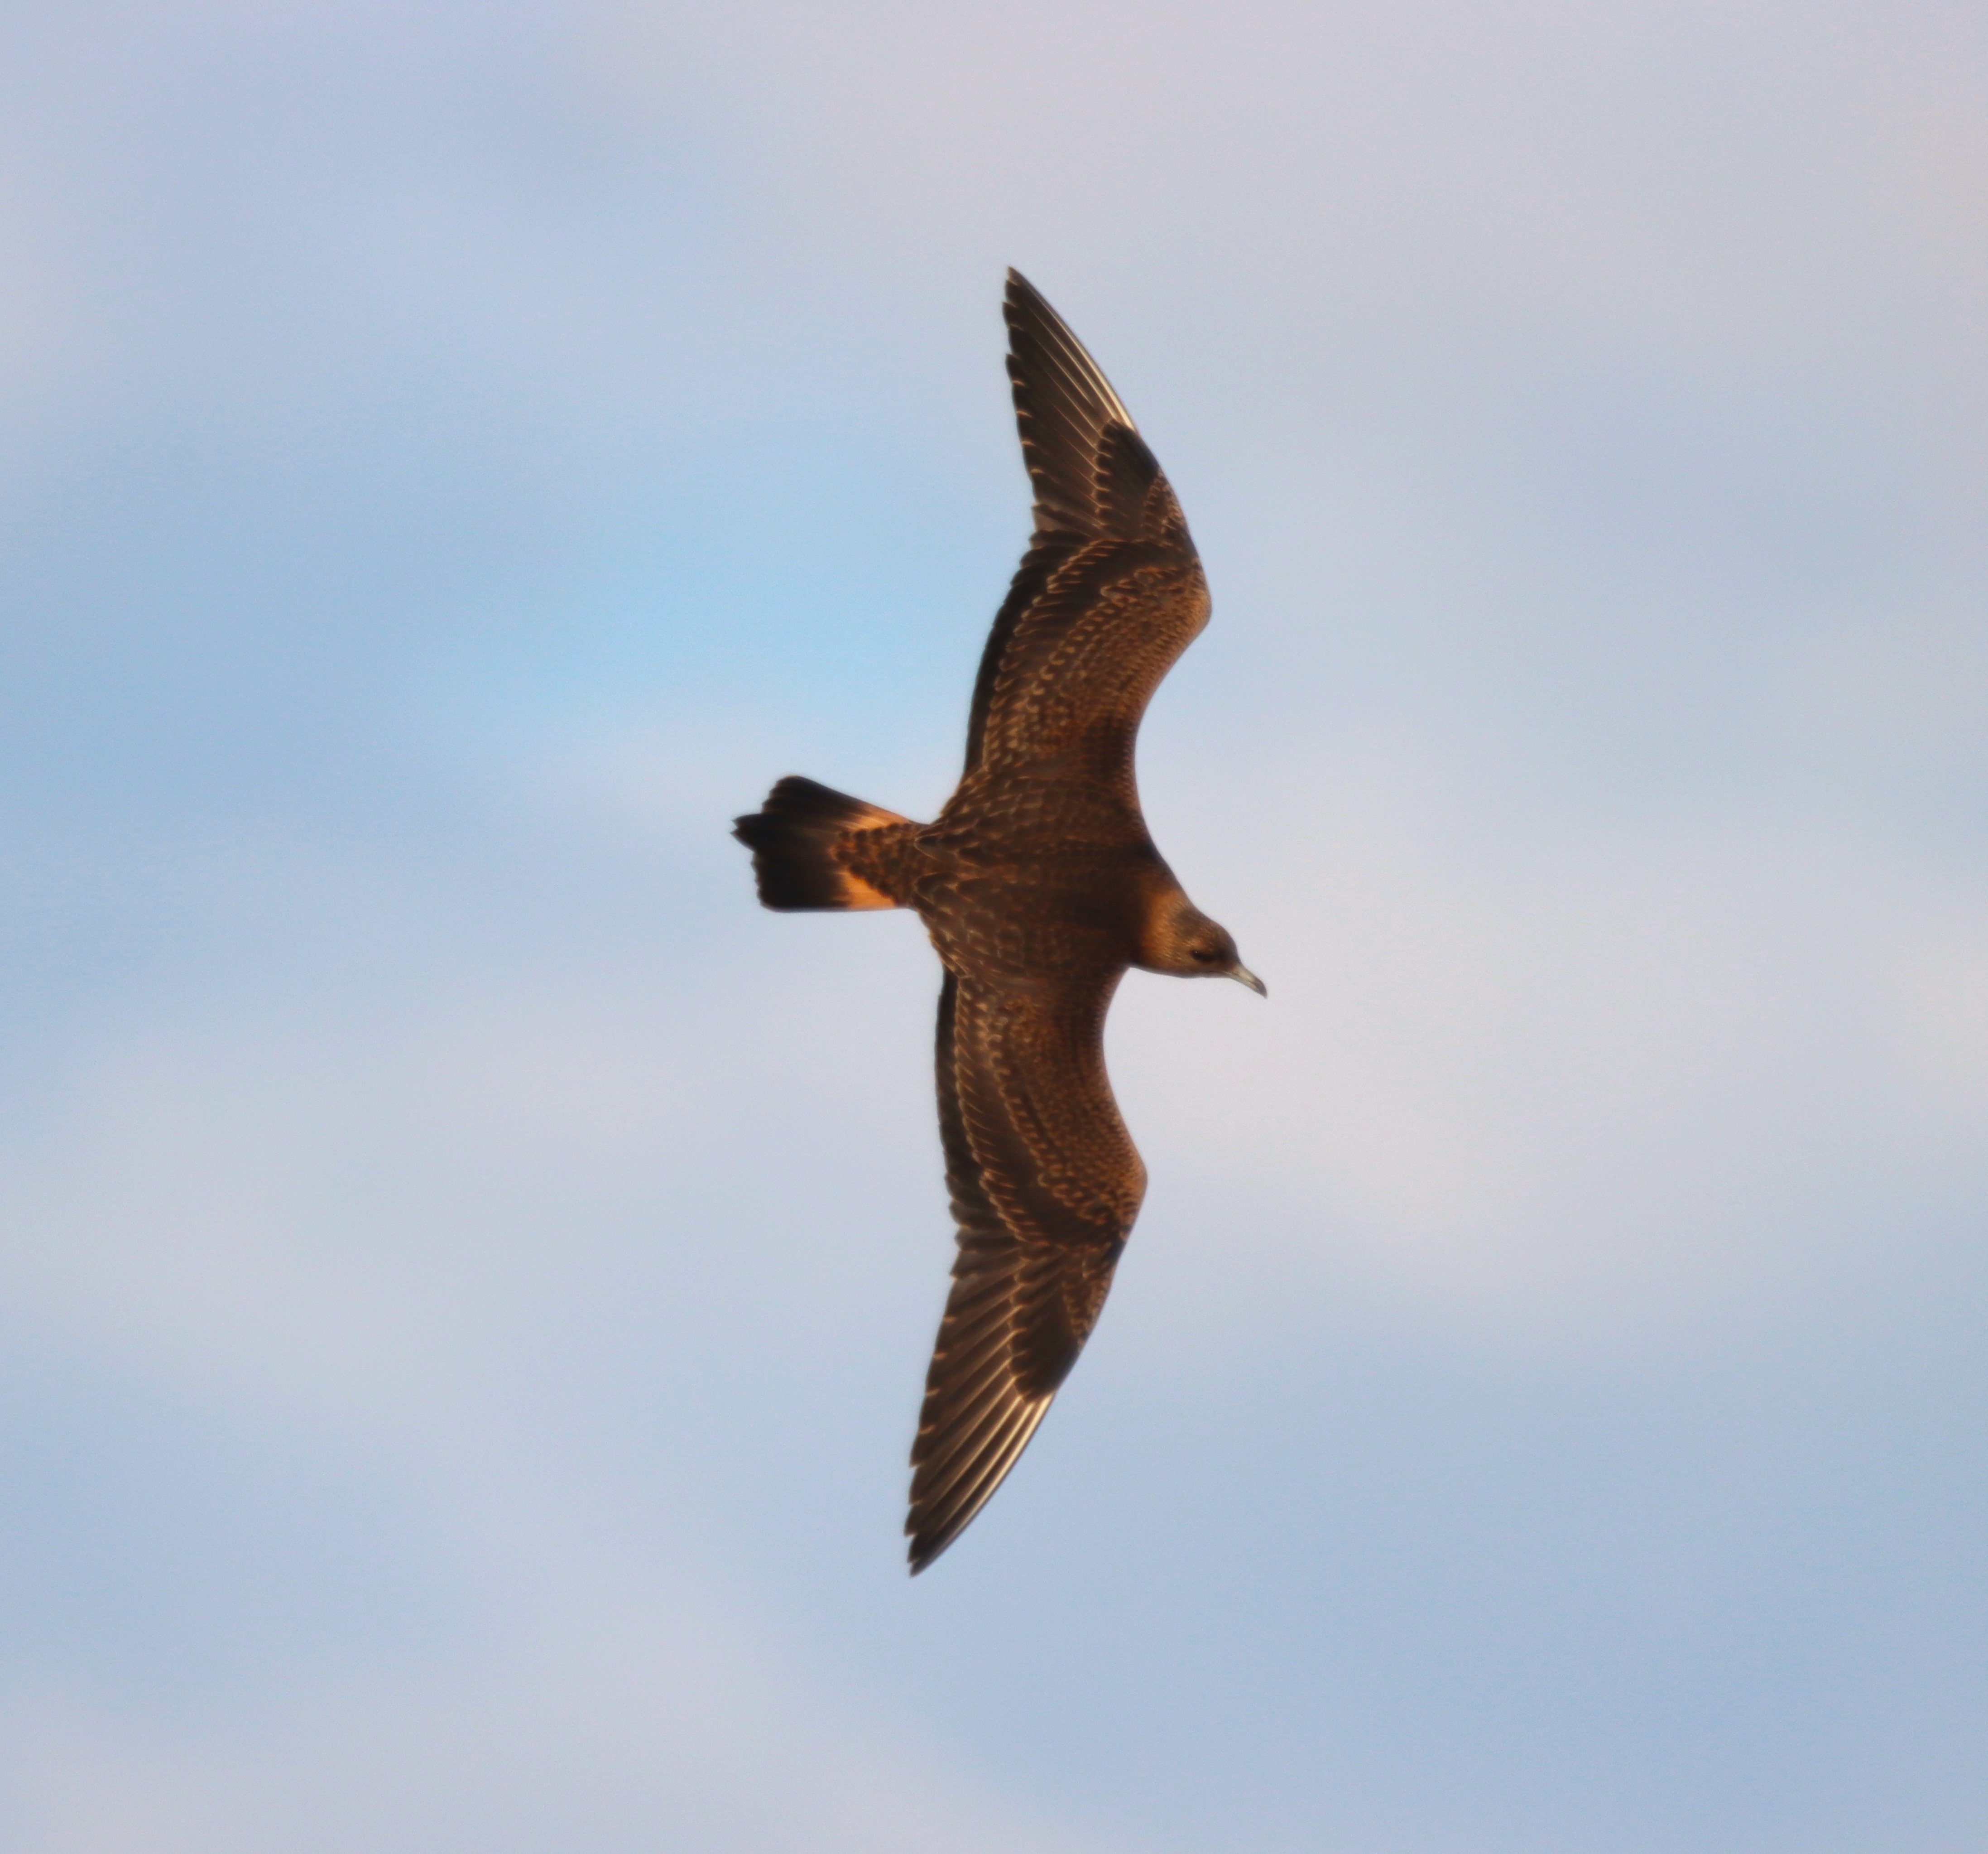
(1039, 884)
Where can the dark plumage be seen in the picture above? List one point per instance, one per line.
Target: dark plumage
(1040, 885)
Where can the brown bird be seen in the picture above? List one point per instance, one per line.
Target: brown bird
(1040, 885)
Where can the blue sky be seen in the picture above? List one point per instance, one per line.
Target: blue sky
(468, 1272)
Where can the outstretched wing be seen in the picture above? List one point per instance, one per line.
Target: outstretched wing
(1110, 590)
(1045, 1184)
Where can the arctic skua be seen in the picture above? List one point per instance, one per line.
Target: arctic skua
(1040, 885)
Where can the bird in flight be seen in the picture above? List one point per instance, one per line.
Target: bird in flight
(1040, 885)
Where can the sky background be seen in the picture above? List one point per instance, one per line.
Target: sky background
(466, 1273)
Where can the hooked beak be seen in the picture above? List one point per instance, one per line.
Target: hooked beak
(1243, 975)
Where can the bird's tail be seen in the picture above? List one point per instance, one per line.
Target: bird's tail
(793, 838)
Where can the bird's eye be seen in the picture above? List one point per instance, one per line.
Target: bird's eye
(1204, 955)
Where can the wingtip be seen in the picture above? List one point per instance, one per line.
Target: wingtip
(927, 1547)
(924, 1553)
(1044, 350)
(1020, 297)
(924, 1550)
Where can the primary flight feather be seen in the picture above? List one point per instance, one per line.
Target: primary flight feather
(1040, 885)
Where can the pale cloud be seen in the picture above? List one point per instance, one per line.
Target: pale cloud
(636, 1717)
(1939, 1018)
(1576, 1083)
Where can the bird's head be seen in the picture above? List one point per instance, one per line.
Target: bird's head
(1182, 940)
